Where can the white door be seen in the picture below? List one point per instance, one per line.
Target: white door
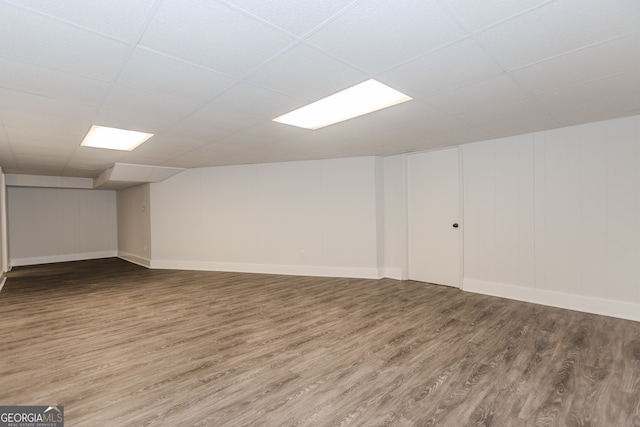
(434, 217)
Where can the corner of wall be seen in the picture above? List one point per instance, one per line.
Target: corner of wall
(394, 273)
(144, 262)
(380, 216)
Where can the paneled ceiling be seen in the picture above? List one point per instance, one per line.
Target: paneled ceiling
(208, 76)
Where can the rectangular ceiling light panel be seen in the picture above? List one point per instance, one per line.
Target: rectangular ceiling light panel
(355, 101)
(114, 138)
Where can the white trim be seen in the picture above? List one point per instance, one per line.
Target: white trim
(135, 259)
(291, 270)
(15, 262)
(4, 279)
(5, 263)
(604, 307)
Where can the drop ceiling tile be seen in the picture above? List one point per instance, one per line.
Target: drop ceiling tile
(450, 132)
(476, 15)
(273, 131)
(208, 155)
(163, 147)
(175, 164)
(295, 17)
(33, 79)
(557, 28)
(252, 157)
(447, 68)
(476, 96)
(95, 158)
(40, 162)
(53, 134)
(240, 143)
(21, 101)
(121, 19)
(255, 101)
(69, 133)
(44, 41)
(509, 118)
(610, 97)
(302, 147)
(436, 124)
(142, 121)
(213, 35)
(591, 63)
(377, 34)
(319, 145)
(58, 152)
(153, 72)
(185, 162)
(307, 74)
(160, 107)
(43, 153)
(19, 109)
(195, 127)
(408, 115)
(220, 121)
(285, 151)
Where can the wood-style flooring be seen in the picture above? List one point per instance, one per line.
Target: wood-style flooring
(120, 345)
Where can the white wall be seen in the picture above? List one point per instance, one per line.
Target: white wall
(553, 217)
(310, 218)
(134, 224)
(395, 217)
(54, 225)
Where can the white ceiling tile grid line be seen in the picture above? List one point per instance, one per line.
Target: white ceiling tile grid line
(118, 20)
(298, 21)
(208, 77)
(592, 62)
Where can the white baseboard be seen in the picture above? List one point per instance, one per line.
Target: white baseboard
(291, 270)
(135, 259)
(4, 279)
(15, 262)
(605, 307)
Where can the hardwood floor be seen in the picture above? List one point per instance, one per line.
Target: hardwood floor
(121, 345)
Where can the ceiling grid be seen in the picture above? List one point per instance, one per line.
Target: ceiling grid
(207, 78)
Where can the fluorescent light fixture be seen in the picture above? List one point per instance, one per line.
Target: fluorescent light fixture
(355, 101)
(114, 138)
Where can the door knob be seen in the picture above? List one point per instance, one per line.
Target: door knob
(455, 225)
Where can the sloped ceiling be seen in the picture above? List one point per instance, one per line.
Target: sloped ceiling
(208, 76)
